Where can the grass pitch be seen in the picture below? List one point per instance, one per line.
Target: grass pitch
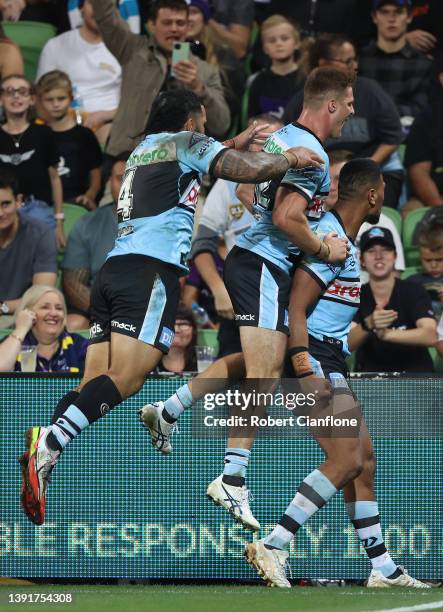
(168, 598)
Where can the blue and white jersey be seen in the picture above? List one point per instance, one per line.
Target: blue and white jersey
(264, 238)
(158, 196)
(332, 315)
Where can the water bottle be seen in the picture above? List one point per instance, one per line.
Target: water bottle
(200, 315)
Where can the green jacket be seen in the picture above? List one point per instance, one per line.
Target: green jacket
(144, 70)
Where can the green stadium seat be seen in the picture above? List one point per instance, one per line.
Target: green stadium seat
(437, 360)
(83, 332)
(31, 37)
(73, 212)
(208, 337)
(409, 271)
(395, 217)
(350, 361)
(4, 333)
(409, 224)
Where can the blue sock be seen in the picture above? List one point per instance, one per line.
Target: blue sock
(366, 520)
(68, 425)
(313, 493)
(177, 403)
(236, 464)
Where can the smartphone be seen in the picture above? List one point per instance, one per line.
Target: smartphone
(180, 52)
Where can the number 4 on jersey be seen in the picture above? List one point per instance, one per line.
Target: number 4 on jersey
(124, 207)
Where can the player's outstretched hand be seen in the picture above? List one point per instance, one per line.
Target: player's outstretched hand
(252, 138)
(338, 248)
(301, 157)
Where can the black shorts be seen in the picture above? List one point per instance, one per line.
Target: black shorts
(259, 290)
(327, 361)
(136, 296)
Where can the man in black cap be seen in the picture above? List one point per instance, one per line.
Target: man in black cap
(399, 68)
(394, 314)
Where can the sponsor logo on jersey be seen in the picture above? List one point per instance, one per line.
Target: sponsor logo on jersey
(125, 231)
(275, 145)
(126, 326)
(166, 337)
(315, 208)
(196, 138)
(347, 291)
(95, 330)
(236, 211)
(166, 151)
(104, 408)
(246, 317)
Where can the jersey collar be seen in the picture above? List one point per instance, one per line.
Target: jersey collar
(339, 219)
(303, 127)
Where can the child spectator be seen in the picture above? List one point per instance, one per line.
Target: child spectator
(92, 68)
(29, 151)
(430, 241)
(273, 87)
(80, 156)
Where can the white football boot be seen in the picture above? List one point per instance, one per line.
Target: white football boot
(270, 563)
(159, 429)
(235, 500)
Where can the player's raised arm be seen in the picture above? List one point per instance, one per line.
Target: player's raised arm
(246, 167)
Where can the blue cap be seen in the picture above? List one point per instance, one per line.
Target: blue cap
(400, 3)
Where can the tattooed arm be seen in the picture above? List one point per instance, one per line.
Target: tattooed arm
(245, 167)
(76, 288)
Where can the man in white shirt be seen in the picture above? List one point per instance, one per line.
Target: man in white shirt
(93, 70)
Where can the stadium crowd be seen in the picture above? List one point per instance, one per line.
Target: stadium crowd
(69, 123)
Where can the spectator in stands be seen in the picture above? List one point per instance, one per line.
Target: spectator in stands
(129, 10)
(337, 159)
(146, 70)
(401, 70)
(40, 322)
(231, 24)
(375, 130)
(273, 87)
(224, 216)
(80, 156)
(204, 46)
(424, 150)
(28, 254)
(92, 68)
(430, 242)
(394, 315)
(29, 151)
(11, 60)
(181, 356)
(89, 242)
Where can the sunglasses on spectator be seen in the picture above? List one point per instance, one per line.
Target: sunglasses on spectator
(10, 92)
(348, 62)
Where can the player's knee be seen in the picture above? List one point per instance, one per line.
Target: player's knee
(369, 465)
(350, 463)
(127, 385)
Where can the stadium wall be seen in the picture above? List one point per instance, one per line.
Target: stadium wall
(118, 509)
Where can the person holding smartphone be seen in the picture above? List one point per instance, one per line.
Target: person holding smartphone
(148, 68)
